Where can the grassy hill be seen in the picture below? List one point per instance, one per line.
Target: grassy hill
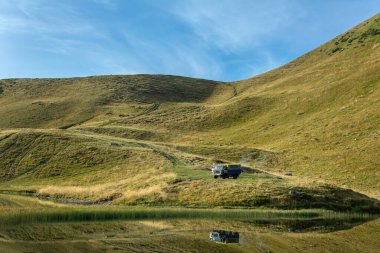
(150, 139)
(326, 117)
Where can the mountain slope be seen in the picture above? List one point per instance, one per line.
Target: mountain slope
(323, 115)
(60, 102)
(151, 138)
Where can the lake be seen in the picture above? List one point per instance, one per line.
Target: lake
(30, 225)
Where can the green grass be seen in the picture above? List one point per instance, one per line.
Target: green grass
(91, 167)
(186, 171)
(96, 214)
(18, 210)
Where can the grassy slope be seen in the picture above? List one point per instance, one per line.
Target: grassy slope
(152, 138)
(322, 112)
(326, 117)
(46, 103)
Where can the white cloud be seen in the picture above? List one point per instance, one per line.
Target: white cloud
(110, 4)
(193, 62)
(266, 63)
(169, 57)
(45, 22)
(205, 40)
(237, 25)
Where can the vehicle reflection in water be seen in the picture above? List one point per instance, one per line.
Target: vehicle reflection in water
(221, 236)
(290, 226)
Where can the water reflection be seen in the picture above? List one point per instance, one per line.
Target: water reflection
(309, 225)
(222, 236)
(320, 225)
(192, 236)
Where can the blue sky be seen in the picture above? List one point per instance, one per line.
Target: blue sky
(213, 39)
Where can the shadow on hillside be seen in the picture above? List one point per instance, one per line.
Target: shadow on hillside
(332, 198)
(250, 170)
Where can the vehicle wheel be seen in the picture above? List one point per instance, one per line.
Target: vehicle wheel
(235, 176)
(216, 177)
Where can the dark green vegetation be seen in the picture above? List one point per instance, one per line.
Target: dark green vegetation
(20, 210)
(151, 139)
(17, 210)
(70, 215)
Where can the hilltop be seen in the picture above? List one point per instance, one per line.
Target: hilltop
(150, 139)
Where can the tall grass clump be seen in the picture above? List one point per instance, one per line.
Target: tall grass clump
(85, 215)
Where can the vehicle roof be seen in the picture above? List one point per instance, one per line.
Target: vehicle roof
(227, 164)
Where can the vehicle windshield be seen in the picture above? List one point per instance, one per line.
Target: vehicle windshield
(219, 167)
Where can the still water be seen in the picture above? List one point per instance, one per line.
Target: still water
(343, 234)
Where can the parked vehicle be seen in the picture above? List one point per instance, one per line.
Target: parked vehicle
(221, 236)
(226, 170)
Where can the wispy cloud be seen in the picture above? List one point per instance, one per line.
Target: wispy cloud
(237, 25)
(213, 39)
(170, 57)
(58, 25)
(110, 4)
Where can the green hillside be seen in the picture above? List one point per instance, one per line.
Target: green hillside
(151, 139)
